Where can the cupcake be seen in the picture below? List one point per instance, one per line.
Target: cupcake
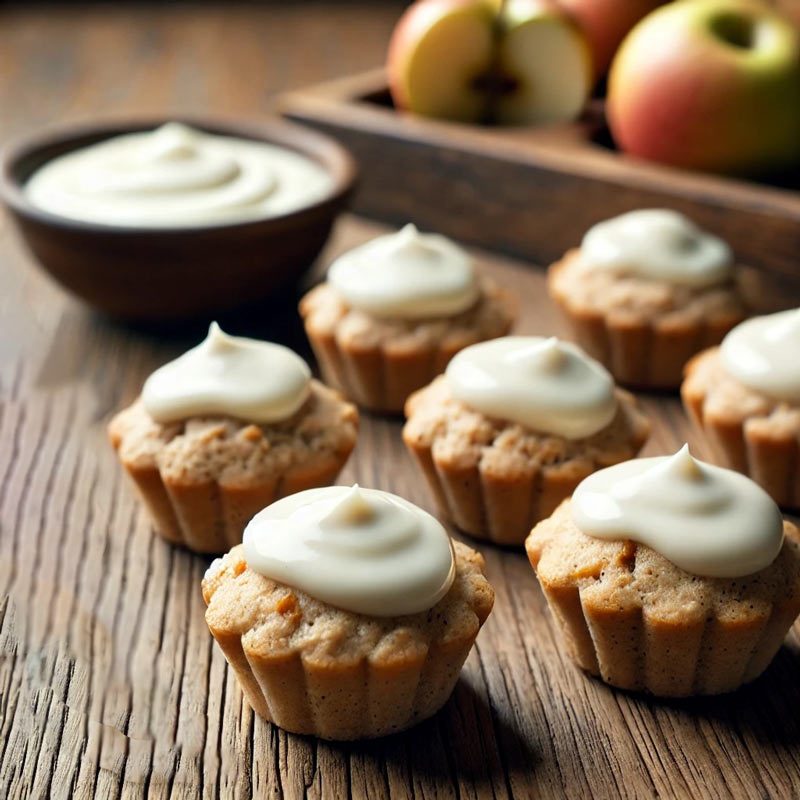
(347, 613)
(645, 292)
(744, 397)
(512, 427)
(224, 430)
(669, 576)
(394, 311)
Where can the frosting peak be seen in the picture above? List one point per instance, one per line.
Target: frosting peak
(682, 466)
(544, 384)
(704, 519)
(229, 375)
(545, 355)
(764, 354)
(406, 274)
(363, 550)
(660, 244)
(409, 243)
(352, 509)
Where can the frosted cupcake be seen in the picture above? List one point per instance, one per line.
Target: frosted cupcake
(224, 430)
(745, 398)
(670, 576)
(512, 427)
(645, 292)
(394, 311)
(347, 613)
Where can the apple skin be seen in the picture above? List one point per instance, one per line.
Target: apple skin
(679, 93)
(605, 23)
(429, 79)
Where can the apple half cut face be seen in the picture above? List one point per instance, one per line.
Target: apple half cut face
(547, 64)
(437, 59)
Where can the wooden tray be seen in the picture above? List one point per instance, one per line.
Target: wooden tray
(531, 192)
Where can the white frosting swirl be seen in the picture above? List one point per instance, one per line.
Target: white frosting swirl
(544, 384)
(764, 354)
(407, 274)
(231, 375)
(704, 519)
(362, 550)
(659, 244)
(176, 176)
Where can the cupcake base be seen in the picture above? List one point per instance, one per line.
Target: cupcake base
(314, 669)
(744, 430)
(378, 363)
(642, 331)
(495, 479)
(202, 480)
(632, 618)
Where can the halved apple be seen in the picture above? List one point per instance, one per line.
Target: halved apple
(546, 61)
(520, 62)
(439, 51)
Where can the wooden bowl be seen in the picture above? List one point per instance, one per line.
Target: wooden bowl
(159, 274)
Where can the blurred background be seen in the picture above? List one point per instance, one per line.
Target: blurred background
(62, 61)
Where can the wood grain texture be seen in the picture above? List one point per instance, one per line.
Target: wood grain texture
(110, 685)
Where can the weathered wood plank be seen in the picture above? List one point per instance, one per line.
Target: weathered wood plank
(110, 685)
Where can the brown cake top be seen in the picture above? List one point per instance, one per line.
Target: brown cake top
(607, 292)
(461, 436)
(621, 575)
(232, 451)
(326, 314)
(275, 621)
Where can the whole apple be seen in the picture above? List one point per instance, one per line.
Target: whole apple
(605, 23)
(711, 85)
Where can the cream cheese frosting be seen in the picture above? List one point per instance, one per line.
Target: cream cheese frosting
(406, 274)
(176, 176)
(705, 519)
(543, 384)
(659, 244)
(363, 550)
(230, 375)
(764, 354)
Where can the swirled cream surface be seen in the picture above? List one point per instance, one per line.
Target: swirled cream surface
(660, 244)
(407, 274)
(764, 354)
(362, 550)
(176, 176)
(544, 384)
(704, 519)
(230, 375)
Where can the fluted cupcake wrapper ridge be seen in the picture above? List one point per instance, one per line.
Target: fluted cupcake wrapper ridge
(638, 353)
(380, 379)
(360, 700)
(210, 517)
(630, 650)
(496, 508)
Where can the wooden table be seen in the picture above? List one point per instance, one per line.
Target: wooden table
(110, 684)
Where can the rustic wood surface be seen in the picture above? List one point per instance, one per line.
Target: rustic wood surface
(110, 685)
